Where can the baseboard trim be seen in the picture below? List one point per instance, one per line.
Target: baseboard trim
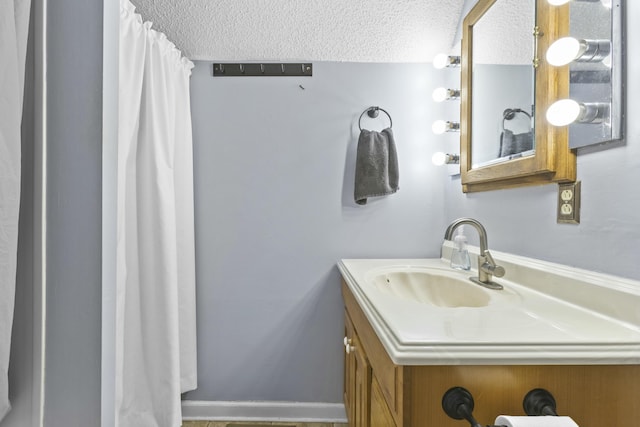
(264, 411)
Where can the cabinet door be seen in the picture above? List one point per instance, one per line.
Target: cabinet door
(363, 384)
(349, 372)
(380, 414)
(357, 379)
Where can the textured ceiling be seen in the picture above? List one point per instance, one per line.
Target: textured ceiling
(307, 30)
(504, 34)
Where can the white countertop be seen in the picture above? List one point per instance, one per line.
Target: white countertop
(546, 314)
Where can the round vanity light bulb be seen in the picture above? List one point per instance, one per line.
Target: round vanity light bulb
(563, 112)
(439, 158)
(440, 94)
(563, 51)
(440, 61)
(606, 3)
(439, 127)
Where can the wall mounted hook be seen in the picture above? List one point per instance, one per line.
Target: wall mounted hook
(373, 112)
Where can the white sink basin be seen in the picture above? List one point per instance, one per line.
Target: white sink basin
(433, 287)
(426, 313)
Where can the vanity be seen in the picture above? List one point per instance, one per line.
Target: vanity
(416, 328)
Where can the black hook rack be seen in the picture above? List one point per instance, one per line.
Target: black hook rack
(263, 70)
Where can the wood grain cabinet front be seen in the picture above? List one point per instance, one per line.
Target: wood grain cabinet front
(357, 376)
(380, 414)
(379, 393)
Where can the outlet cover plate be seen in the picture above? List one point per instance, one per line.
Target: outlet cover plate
(569, 203)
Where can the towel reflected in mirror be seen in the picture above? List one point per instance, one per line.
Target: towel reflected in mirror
(511, 143)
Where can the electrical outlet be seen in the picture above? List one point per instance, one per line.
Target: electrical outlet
(569, 203)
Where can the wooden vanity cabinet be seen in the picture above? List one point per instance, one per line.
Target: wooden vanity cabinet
(379, 402)
(379, 393)
(357, 378)
(380, 415)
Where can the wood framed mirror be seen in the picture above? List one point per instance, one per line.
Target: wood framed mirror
(541, 154)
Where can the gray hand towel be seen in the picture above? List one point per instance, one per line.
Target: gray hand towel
(511, 143)
(376, 165)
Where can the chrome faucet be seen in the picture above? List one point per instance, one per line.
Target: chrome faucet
(487, 267)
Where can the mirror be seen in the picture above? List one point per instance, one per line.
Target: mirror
(503, 83)
(593, 54)
(505, 138)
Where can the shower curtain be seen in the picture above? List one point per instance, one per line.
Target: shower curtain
(14, 26)
(155, 306)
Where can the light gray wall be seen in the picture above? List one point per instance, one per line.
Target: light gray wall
(22, 334)
(274, 170)
(522, 221)
(274, 212)
(74, 144)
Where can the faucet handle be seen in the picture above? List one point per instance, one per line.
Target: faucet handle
(494, 270)
(491, 267)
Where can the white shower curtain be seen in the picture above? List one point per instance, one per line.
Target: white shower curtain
(155, 308)
(14, 26)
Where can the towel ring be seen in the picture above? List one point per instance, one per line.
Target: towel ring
(510, 113)
(373, 113)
